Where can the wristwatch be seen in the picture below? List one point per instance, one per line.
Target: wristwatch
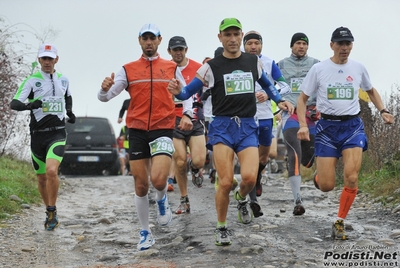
(189, 114)
(281, 100)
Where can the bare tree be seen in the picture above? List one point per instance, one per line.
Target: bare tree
(17, 61)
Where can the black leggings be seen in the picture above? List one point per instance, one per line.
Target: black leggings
(298, 151)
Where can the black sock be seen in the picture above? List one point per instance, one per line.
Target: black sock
(51, 208)
(260, 169)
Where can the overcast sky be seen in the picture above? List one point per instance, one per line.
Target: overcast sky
(96, 37)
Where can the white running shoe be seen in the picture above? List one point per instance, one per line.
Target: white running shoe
(164, 214)
(146, 240)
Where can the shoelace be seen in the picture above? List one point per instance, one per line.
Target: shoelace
(224, 232)
(50, 215)
(243, 208)
(161, 207)
(143, 236)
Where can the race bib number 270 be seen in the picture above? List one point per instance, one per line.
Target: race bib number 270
(238, 83)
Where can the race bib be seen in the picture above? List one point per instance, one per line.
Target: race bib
(162, 145)
(54, 105)
(177, 100)
(238, 83)
(339, 91)
(295, 83)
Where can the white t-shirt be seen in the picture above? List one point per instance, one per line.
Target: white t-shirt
(336, 86)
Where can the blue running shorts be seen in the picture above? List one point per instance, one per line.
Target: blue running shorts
(332, 137)
(265, 132)
(237, 133)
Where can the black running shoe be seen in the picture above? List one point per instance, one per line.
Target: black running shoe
(255, 207)
(299, 208)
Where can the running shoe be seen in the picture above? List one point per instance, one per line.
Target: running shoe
(258, 185)
(170, 186)
(164, 214)
(222, 236)
(264, 178)
(212, 175)
(184, 206)
(255, 207)
(338, 231)
(274, 166)
(243, 207)
(299, 208)
(146, 240)
(51, 220)
(197, 175)
(315, 179)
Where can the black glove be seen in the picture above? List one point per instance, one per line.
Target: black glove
(34, 105)
(205, 95)
(71, 116)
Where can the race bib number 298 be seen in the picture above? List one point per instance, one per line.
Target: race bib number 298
(162, 145)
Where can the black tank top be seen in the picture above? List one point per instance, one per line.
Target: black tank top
(241, 105)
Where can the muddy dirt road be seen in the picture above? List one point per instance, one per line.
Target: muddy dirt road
(99, 228)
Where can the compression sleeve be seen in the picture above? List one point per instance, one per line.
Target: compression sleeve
(275, 71)
(195, 85)
(267, 86)
(68, 103)
(18, 105)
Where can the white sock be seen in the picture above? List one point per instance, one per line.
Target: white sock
(160, 194)
(295, 182)
(142, 208)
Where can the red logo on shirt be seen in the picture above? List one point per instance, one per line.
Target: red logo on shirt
(349, 79)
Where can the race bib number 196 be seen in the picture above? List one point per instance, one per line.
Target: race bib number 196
(162, 145)
(340, 91)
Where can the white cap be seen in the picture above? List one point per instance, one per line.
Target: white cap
(47, 50)
(150, 28)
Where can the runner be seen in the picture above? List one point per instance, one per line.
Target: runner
(151, 121)
(253, 44)
(49, 99)
(340, 131)
(231, 77)
(300, 152)
(188, 113)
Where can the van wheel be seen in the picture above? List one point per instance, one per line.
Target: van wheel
(114, 170)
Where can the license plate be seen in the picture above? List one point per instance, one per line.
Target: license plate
(88, 159)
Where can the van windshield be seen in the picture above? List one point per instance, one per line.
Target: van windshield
(90, 125)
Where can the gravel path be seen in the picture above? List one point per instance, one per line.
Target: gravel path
(100, 229)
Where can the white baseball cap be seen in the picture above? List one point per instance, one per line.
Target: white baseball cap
(150, 28)
(47, 50)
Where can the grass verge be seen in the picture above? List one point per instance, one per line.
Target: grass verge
(16, 178)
